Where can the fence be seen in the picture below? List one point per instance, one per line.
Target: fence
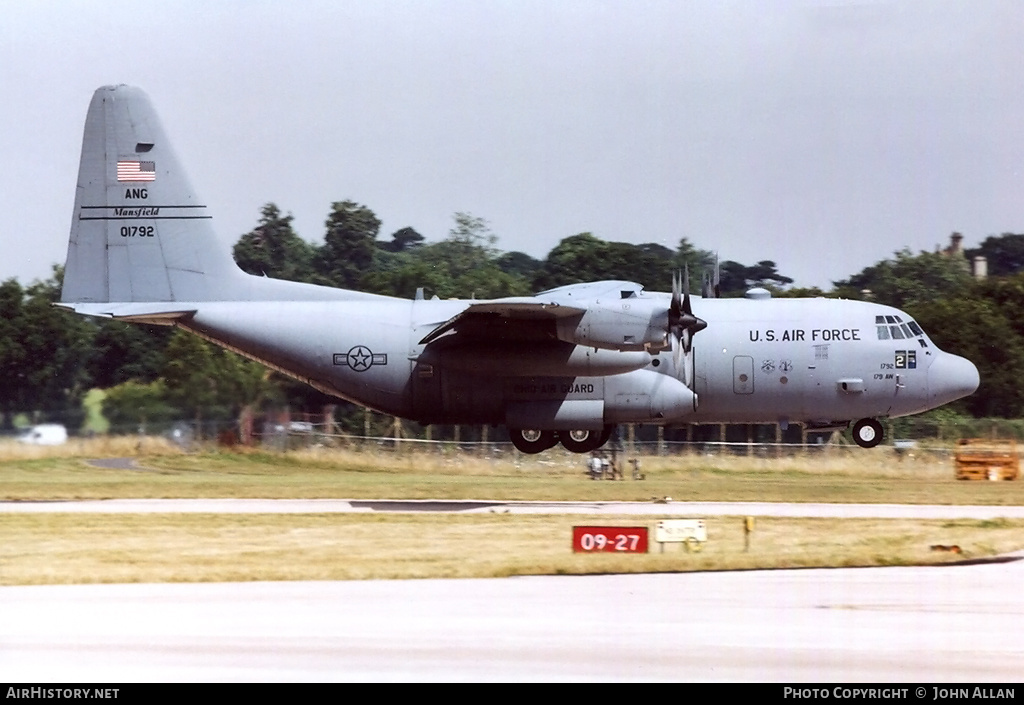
(305, 435)
(281, 430)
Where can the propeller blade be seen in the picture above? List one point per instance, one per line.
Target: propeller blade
(717, 281)
(682, 356)
(676, 305)
(686, 292)
(711, 282)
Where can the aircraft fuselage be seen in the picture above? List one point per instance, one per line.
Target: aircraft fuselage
(816, 361)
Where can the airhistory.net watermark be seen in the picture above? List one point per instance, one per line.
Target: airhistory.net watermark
(62, 693)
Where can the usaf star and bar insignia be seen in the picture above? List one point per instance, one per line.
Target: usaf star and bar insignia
(360, 358)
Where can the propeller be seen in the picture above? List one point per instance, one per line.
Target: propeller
(711, 284)
(682, 324)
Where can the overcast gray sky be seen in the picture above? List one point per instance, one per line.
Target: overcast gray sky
(821, 135)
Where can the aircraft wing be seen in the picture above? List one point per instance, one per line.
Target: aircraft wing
(522, 318)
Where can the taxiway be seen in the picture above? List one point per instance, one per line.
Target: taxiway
(658, 507)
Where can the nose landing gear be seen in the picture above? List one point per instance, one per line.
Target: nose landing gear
(868, 433)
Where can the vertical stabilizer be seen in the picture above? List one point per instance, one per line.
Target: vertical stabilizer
(139, 232)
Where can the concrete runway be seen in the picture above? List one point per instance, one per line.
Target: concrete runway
(933, 624)
(953, 623)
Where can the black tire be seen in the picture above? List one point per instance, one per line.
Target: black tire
(585, 440)
(528, 440)
(868, 433)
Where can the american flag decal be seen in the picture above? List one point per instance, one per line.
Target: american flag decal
(136, 171)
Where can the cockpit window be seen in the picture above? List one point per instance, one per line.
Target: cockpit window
(893, 328)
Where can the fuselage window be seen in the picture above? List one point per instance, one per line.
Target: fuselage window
(883, 332)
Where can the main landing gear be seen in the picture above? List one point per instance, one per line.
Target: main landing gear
(868, 433)
(529, 440)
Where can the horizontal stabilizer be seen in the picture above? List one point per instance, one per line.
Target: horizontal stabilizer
(157, 314)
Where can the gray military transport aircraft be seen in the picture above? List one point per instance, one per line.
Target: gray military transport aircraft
(563, 366)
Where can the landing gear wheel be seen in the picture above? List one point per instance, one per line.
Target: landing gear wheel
(585, 440)
(531, 440)
(868, 433)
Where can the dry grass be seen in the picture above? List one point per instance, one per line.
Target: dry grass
(63, 548)
(856, 476)
(97, 447)
(76, 548)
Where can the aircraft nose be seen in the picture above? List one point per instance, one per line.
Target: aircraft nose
(951, 377)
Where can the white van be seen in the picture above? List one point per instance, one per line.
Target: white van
(45, 434)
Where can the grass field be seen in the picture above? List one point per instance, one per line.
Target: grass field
(854, 476)
(72, 548)
(67, 548)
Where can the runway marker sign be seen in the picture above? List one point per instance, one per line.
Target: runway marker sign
(609, 539)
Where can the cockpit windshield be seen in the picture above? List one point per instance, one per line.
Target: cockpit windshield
(894, 328)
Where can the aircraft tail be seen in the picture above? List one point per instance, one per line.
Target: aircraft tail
(139, 232)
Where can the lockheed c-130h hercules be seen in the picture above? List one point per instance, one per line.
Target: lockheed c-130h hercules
(564, 366)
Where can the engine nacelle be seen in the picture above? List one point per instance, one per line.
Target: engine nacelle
(624, 324)
(641, 396)
(645, 397)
